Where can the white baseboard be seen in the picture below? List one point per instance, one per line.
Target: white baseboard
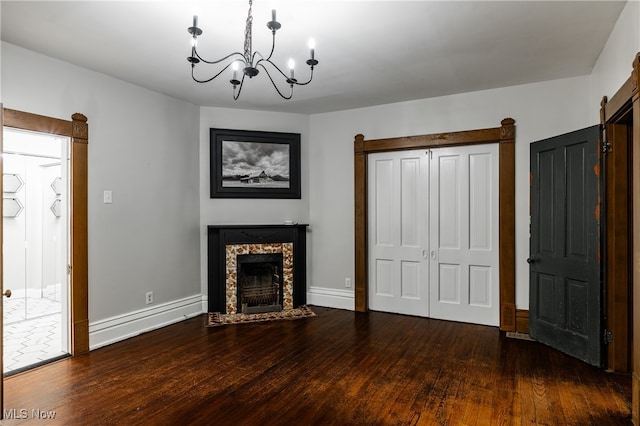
(331, 298)
(111, 330)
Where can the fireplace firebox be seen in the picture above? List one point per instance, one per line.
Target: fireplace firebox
(259, 283)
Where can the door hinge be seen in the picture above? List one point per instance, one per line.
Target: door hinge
(606, 145)
(608, 337)
(68, 269)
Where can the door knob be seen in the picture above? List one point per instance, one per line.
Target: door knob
(531, 260)
(7, 293)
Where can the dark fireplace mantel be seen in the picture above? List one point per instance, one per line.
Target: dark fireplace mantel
(219, 236)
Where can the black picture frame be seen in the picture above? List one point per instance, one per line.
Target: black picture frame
(254, 164)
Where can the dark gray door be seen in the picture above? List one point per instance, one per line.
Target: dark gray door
(565, 286)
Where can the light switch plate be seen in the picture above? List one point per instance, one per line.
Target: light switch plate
(108, 197)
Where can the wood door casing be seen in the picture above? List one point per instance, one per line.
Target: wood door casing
(1, 269)
(627, 101)
(617, 266)
(78, 131)
(505, 136)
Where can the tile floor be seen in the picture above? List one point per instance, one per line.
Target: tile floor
(32, 338)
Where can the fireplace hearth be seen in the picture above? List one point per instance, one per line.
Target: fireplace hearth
(256, 268)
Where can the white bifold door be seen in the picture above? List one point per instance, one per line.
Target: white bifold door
(399, 232)
(433, 233)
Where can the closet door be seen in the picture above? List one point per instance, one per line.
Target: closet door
(398, 232)
(464, 234)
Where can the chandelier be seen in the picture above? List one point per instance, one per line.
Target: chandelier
(249, 63)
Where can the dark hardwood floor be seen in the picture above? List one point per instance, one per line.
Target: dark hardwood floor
(340, 367)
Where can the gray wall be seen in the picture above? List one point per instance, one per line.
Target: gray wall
(221, 211)
(144, 147)
(152, 151)
(541, 110)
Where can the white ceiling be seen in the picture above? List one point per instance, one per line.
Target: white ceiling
(370, 52)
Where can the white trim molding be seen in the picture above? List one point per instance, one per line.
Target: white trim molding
(331, 298)
(205, 303)
(121, 327)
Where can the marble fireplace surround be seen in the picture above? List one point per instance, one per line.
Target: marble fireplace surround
(227, 241)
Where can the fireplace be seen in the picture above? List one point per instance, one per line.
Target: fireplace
(256, 268)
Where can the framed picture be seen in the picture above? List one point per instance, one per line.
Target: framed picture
(252, 164)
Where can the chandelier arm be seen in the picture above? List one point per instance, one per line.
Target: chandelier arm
(274, 83)
(262, 58)
(306, 82)
(273, 46)
(237, 95)
(253, 57)
(219, 60)
(283, 74)
(273, 65)
(212, 78)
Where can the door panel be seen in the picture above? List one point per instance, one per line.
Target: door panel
(448, 284)
(410, 287)
(480, 286)
(384, 277)
(383, 202)
(398, 232)
(565, 288)
(448, 169)
(464, 234)
(480, 201)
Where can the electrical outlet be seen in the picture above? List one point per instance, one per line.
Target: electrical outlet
(149, 297)
(347, 282)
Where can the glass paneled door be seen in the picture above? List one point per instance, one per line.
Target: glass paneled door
(36, 248)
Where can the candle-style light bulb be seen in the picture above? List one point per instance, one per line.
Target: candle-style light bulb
(312, 48)
(234, 67)
(273, 15)
(195, 32)
(292, 65)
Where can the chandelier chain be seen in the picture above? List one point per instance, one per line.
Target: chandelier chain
(247, 35)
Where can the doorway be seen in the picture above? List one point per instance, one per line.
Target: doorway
(36, 248)
(619, 168)
(621, 115)
(433, 233)
(77, 130)
(504, 137)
